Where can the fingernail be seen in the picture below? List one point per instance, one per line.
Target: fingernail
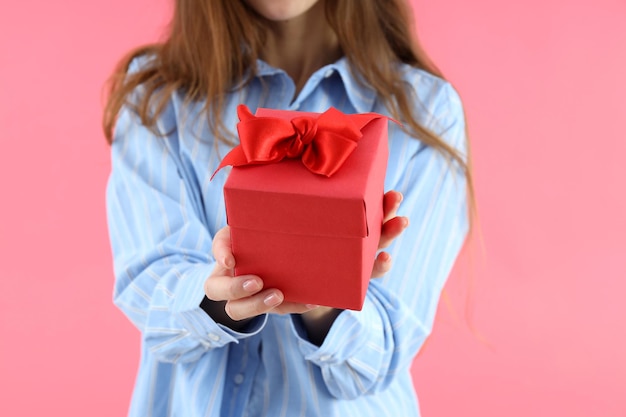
(405, 222)
(311, 306)
(251, 285)
(272, 300)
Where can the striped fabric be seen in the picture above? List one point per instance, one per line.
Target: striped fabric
(163, 212)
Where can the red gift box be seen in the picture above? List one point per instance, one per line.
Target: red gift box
(304, 219)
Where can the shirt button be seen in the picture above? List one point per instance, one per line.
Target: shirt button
(214, 337)
(238, 379)
(325, 358)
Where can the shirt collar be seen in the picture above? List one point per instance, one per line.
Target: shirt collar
(359, 92)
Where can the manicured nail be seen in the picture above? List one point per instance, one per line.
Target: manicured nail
(251, 285)
(272, 300)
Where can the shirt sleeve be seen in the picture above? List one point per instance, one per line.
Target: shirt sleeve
(365, 349)
(161, 247)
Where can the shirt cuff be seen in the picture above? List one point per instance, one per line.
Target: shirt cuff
(348, 334)
(189, 295)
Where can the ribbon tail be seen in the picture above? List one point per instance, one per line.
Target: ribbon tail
(235, 157)
(363, 119)
(333, 118)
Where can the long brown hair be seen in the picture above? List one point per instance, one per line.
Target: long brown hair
(213, 46)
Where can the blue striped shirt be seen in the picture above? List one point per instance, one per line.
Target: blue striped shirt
(163, 211)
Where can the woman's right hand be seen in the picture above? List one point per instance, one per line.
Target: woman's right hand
(234, 300)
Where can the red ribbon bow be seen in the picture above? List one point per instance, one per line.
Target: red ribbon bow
(323, 143)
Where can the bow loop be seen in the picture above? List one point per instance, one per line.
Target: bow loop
(323, 143)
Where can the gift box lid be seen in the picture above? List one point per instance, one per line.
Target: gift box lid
(286, 197)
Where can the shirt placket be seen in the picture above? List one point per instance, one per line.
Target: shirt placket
(243, 363)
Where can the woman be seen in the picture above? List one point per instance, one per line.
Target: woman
(218, 345)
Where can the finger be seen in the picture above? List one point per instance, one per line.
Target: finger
(269, 301)
(255, 305)
(222, 249)
(224, 287)
(391, 230)
(391, 202)
(382, 265)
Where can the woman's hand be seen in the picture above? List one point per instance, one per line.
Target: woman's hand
(235, 299)
(393, 226)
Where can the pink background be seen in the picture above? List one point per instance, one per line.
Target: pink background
(544, 83)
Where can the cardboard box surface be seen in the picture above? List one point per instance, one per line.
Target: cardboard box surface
(313, 237)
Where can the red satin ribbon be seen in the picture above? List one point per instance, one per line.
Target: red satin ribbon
(323, 143)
